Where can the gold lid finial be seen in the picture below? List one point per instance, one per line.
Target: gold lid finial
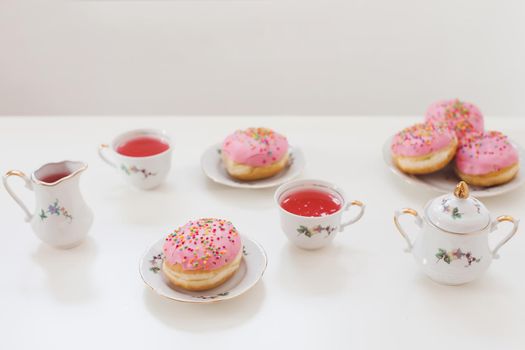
(461, 190)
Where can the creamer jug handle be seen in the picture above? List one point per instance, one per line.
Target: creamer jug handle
(28, 185)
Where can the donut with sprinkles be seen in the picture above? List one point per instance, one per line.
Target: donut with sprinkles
(486, 159)
(423, 148)
(462, 117)
(254, 153)
(202, 254)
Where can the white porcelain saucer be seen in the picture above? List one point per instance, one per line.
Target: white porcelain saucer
(249, 273)
(445, 180)
(212, 166)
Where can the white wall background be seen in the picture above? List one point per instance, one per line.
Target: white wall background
(260, 57)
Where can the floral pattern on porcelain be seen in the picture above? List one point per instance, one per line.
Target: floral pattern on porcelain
(135, 170)
(291, 159)
(55, 209)
(312, 231)
(454, 212)
(456, 254)
(478, 206)
(156, 262)
(209, 297)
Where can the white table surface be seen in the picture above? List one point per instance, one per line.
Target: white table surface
(363, 292)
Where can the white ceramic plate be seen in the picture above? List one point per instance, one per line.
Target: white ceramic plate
(212, 166)
(446, 180)
(250, 271)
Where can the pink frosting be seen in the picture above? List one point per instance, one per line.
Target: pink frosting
(255, 147)
(484, 153)
(421, 139)
(204, 244)
(462, 117)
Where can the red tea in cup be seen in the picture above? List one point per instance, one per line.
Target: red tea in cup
(54, 177)
(142, 146)
(311, 202)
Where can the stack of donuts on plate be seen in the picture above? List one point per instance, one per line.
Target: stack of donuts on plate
(454, 131)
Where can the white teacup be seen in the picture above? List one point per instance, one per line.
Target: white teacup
(314, 232)
(144, 172)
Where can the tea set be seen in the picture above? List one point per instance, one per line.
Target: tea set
(451, 245)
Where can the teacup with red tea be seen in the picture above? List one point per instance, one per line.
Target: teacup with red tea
(311, 212)
(143, 157)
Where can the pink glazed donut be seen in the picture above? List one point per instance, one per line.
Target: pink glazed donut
(254, 153)
(462, 117)
(486, 159)
(202, 254)
(423, 148)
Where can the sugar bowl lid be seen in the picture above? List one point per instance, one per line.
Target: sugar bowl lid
(458, 212)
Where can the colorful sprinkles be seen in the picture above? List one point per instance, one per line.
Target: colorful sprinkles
(204, 244)
(263, 137)
(485, 152)
(255, 146)
(421, 138)
(462, 117)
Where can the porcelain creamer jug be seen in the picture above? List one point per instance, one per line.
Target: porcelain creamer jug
(452, 246)
(61, 217)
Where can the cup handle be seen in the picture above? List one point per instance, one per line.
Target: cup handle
(493, 228)
(419, 222)
(28, 185)
(101, 152)
(356, 203)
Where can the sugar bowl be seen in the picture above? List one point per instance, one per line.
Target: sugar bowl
(452, 245)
